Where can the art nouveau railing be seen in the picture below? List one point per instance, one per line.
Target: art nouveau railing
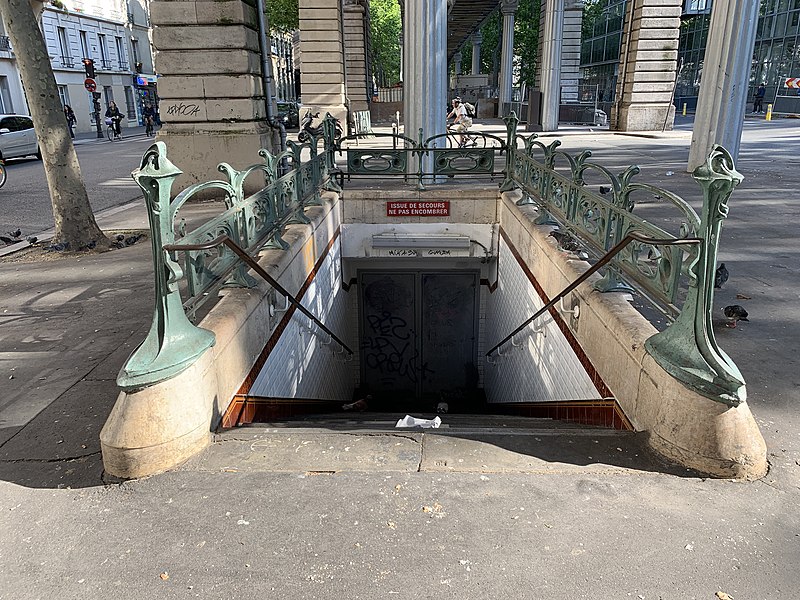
(189, 274)
(677, 277)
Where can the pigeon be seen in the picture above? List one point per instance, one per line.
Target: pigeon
(7, 240)
(735, 313)
(359, 405)
(120, 237)
(565, 241)
(15, 234)
(604, 189)
(31, 239)
(60, 247)
(720, 276)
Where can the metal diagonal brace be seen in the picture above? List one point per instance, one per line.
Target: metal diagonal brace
(240, 252)
(591, 271)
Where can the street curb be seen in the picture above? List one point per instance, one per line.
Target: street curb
(48, 234)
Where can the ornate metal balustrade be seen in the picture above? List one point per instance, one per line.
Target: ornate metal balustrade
(665, 273)
(251, 222)
(678, 277)
(452, 154)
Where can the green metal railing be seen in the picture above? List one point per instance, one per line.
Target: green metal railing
(678, 277)
(252, 222)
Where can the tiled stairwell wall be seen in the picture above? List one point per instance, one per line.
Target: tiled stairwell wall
(303, 362)
(537, 367)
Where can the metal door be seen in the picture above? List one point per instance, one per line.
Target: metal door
(418, 332)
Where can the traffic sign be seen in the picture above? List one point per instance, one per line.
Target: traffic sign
(793, 82)
(90, 85)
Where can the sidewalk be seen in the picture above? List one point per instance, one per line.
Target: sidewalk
(261, 515)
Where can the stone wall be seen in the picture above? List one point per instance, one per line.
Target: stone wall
(212, 103)
(648, 62)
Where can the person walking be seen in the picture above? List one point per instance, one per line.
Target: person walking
(758, 100)
(69, 114)
(113, 113)
(149, 117)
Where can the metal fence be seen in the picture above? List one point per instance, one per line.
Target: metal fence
(678, 278)
(251, 222)
(393, 94)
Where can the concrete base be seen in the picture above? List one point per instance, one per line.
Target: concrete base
(198, 149)
(156, 428)
(645, 117)
(684, 426)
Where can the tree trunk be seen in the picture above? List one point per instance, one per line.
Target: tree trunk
(74, 220)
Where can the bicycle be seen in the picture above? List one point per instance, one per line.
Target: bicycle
(110, 133)
(3, 174)
(462, 139)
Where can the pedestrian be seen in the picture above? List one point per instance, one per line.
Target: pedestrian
(113, 113)
(149, 117)
(69, 114)
(758, 100)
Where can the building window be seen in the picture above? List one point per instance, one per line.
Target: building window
(129, 103)
(63, 95)
(5, 97)
(63, 43)
(101, 39)
(85, 49)
(123, 64)
(135, 46)
(108, 94)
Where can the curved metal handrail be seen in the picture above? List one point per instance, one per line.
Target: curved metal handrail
(239, 251)
(591, 271)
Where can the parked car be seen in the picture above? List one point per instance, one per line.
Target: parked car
(17, 137)
(289, 113)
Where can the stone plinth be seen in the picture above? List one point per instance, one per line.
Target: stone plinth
(648, 61)
(211, 96)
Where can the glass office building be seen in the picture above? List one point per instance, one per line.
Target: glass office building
(776, 55)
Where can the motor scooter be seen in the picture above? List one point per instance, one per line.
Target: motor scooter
(307, 130)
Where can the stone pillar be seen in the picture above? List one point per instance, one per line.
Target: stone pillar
(550, 69)
(457, 58)
(322, 79)
(211, 95)
(508, 8)
(358, 84)
(723, 89)
(571, 50)
(647, 67)
(476, 39)
(425, 64)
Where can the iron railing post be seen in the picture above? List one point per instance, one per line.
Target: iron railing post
(687, 349)
(173, 343)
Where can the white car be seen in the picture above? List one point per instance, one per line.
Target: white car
(17, 137)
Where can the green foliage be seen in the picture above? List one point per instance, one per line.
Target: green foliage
(385, 30)
(526, 43)
(283, 15)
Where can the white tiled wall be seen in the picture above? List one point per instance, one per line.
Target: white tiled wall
(542, 366)
(303, 364)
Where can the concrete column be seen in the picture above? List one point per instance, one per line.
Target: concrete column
(211, 96)
(457, 58)
(476, 39)
(723, 89)
(425, 64)
(358, 83)
(322, 68)
(550, 69)
(571, 50)
(508, 8)
(647, 69)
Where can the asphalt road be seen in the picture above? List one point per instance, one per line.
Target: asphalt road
(106, 168)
